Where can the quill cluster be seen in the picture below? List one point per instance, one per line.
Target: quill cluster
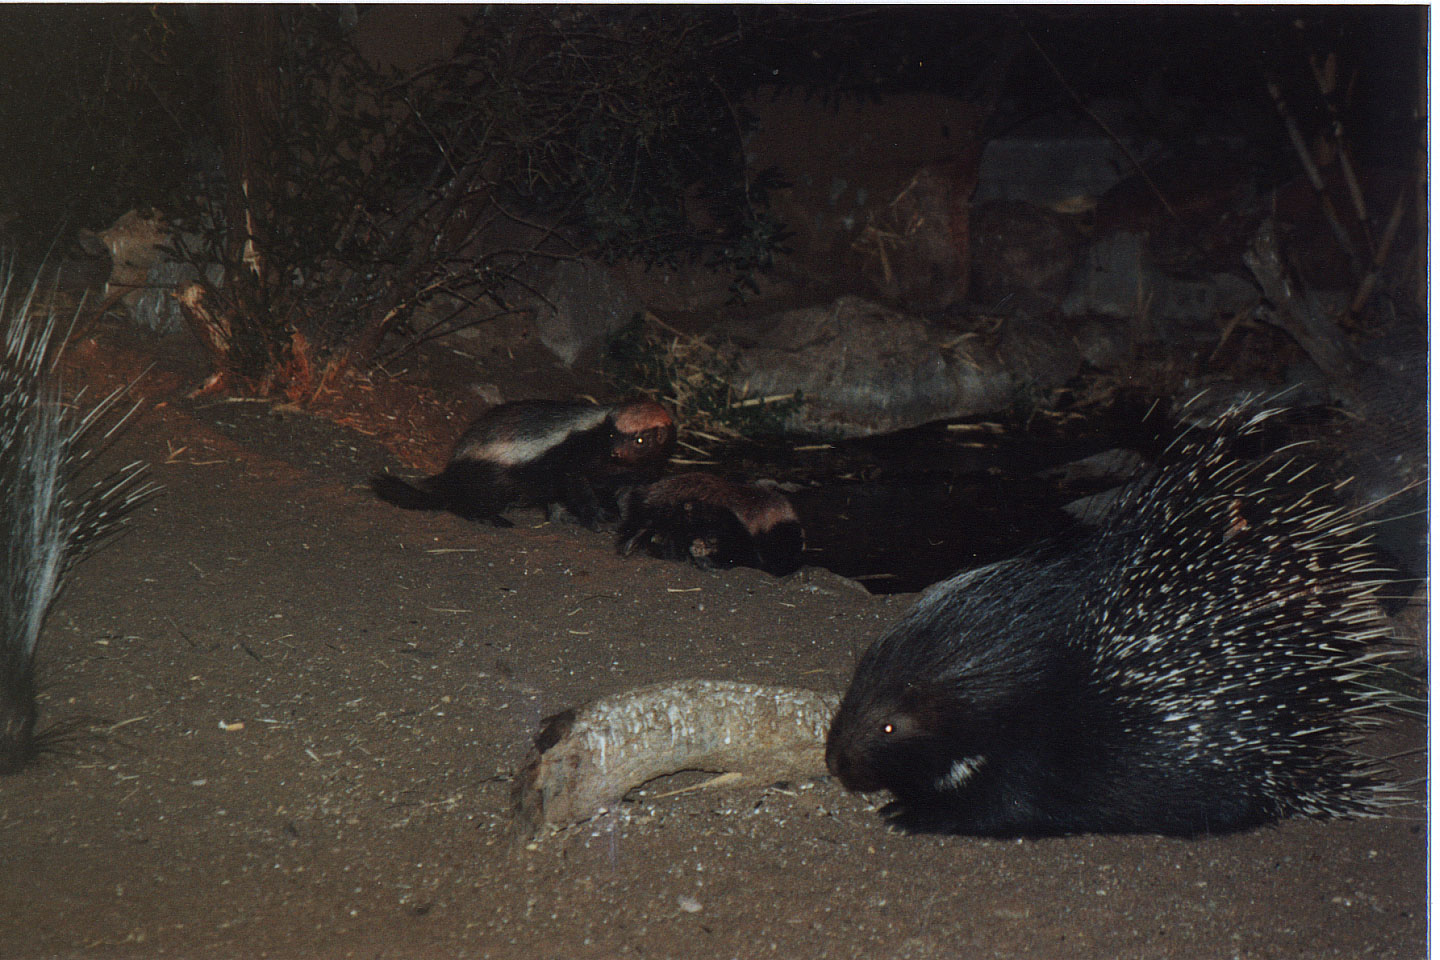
(1195, 665)
(49, 517)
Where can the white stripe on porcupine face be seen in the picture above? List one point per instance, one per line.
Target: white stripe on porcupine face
(959, 772)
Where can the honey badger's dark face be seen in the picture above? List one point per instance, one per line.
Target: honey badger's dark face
(644, 436)
(644, 447)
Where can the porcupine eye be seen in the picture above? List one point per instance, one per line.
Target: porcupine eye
(898, 726)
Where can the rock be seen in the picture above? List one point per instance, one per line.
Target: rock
(677, 288)
(135, 243)
(1019, 248)
(86, 266)
(154, 307)
(865, 368)
(144, 271)
(876, 191)
(569, 303)
(584, 304)
(915, 247)
(1060, 162)
(1118, 278)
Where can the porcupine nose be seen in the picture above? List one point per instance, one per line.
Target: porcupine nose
(844, 768)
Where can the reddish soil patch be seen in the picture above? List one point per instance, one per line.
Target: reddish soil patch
(302, 709)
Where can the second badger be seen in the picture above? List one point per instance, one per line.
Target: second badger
(565, 456)
(712, 523)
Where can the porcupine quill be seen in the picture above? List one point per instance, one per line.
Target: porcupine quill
(48, 518)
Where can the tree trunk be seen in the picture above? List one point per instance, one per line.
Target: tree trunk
(249, 45)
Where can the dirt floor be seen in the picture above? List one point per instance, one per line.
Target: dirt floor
(299, 711)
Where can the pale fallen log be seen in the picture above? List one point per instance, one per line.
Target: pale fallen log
(586, 759)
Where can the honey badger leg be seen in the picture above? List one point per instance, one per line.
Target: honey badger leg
(658, 528)
(578, 500)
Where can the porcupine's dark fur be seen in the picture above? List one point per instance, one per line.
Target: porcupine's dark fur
(573, 457)
(713, 523)
(48, 520)
(1190, 667)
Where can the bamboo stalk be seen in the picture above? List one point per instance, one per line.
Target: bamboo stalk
(1312, 172)
(1325, 81)
(1382, 253)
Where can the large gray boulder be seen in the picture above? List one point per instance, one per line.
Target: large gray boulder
(866, 368)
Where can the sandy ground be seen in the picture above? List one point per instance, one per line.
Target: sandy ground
(299, 711)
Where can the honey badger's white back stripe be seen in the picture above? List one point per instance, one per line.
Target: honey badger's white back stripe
(531, 437)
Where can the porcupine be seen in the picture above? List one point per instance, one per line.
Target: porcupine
(712, 523)
(1189, 667)
(569, 457)
(48, 519)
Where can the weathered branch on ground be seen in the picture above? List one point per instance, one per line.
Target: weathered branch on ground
(586, 759)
